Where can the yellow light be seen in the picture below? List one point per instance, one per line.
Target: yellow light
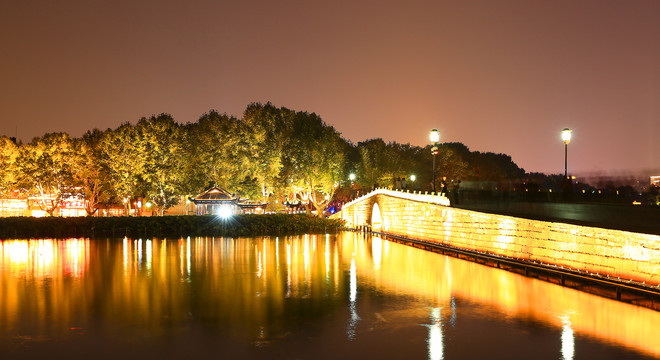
(566, 135)
(434, 136)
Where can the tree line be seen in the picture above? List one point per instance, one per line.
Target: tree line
(271, 152)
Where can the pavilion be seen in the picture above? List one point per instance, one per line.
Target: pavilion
(218, 201)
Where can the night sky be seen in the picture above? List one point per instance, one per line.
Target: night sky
(499, 76)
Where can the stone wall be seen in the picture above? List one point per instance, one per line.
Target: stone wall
(615, 253)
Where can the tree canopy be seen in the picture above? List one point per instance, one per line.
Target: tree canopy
(269, 153)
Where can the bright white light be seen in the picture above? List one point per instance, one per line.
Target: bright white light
(567, 339)
(566, 135)
(351, 177)
(434, 136)
(413, 177)
(355, 318)
(225, 212)
(435, 340)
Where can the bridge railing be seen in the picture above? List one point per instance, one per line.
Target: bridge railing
(432, 198)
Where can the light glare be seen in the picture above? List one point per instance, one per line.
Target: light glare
(225, 212)
(435, 136)
(566, 135)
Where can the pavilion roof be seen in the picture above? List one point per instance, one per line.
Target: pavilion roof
(215, 195)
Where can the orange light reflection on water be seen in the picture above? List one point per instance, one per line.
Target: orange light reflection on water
(150, 285)
(403, 269)
(29, 266)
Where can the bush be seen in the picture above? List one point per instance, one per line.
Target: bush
(165, 226)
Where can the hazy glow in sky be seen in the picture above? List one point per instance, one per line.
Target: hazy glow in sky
(500, 76)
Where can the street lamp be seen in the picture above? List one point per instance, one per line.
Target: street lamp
(352, 178)
(435, 138)
(566, 137)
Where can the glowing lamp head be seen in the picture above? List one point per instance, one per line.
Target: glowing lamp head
(351, 177)
(434, 136)
(225, 212)
(566, 135)
(413, 177)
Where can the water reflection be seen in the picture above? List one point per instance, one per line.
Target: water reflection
(440, 279)
(353, 321)
(436, 344)
(267, 291)
(567, 339)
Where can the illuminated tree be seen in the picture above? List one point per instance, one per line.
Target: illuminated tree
(160, 172)
(452, 163)
(374, 162)
(264, 134)
(8, 155)
(46, 166)
(214, 150)
(121, 154)
(88, 171)
(315, 159)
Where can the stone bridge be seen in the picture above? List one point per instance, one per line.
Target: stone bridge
(597, 252)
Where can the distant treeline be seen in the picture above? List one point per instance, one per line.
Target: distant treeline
(164, 226)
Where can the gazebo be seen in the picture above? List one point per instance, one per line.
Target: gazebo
(215, 201)
(218, 201)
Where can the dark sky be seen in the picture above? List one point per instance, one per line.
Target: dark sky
(500, 76)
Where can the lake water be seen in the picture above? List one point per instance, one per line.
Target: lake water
(347, 295)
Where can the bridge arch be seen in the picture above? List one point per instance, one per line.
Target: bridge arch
(376, 217)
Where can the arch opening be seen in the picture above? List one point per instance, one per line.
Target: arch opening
(376, 218)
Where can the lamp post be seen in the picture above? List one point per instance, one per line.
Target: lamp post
(434, 137)
(352, 178)
(566, 137)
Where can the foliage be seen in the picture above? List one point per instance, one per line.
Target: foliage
(46, 166)
(264, 133)
(214, 151)
(88, 171)
(269, 154)
(160, 173)
(171, 226)
(8, 172)
(122, 155)
(315, 158)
